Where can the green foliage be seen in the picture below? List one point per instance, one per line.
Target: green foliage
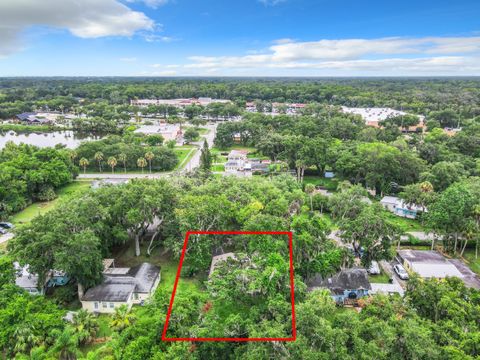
(28, 321)
(190, 135)
(29, 173)
(126, 150)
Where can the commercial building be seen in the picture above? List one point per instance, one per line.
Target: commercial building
(178, 103)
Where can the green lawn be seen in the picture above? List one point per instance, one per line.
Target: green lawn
(203, 131)
(235, 147)
(38, 208)
(382, 278)
(404, 224)
(473, 263)
(218, 168)
(329, 184)
(184, 153)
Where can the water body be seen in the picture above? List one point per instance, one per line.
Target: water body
(69, 138)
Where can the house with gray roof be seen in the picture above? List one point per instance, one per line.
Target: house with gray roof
(428, 264)
(122, 286)
(27, 280)
(346, 286)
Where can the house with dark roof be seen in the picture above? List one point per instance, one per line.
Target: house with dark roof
(346, 286)
(122, 286)
(38, 118)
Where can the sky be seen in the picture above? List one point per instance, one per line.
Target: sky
(239, 38)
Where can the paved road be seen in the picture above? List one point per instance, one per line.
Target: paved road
(195, 159)
(193, 163)
(6, 237)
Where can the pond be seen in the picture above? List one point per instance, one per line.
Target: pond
(69, 138)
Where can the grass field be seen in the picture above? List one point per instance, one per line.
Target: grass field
(329, 184)
(403, 223)
(184, 154)
(218, 167)
(473, 263)
(38, 208)
(382, 278)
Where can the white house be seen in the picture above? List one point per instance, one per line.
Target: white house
(373, 116)
(237, 161)
(122, 286)
(400, 208)
(27, 280)
(168, 131)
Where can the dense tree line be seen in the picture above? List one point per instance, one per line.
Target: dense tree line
(29, 173)
(458, 97)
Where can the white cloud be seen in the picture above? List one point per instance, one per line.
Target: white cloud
(383, 56)
(85, 19)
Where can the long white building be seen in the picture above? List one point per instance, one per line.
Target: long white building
(179, 103)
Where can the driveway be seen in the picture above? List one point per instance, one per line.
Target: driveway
(4, 238)
(469, 277)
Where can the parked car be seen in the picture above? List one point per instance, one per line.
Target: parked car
(6, 225)
(401, 272)
(374, 269)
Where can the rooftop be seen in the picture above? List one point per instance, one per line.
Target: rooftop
(429, 256)
(119, 283)
(348, 279)
(220, 258)
(429, 263)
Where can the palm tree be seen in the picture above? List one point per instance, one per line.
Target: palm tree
(300, 164)
(86, 326)
(25, 339)
(73, 155)
(66, 344)
(123, 158)
(112, 162)
(141, 162)
(84, 163)
(310, 189)
(99, 158)
(149, 156)
(122, 318)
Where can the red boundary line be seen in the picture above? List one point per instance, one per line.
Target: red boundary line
(292, 287)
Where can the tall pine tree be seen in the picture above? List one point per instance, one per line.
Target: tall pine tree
(205, 158)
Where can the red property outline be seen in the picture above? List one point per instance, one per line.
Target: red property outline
(292, 288)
